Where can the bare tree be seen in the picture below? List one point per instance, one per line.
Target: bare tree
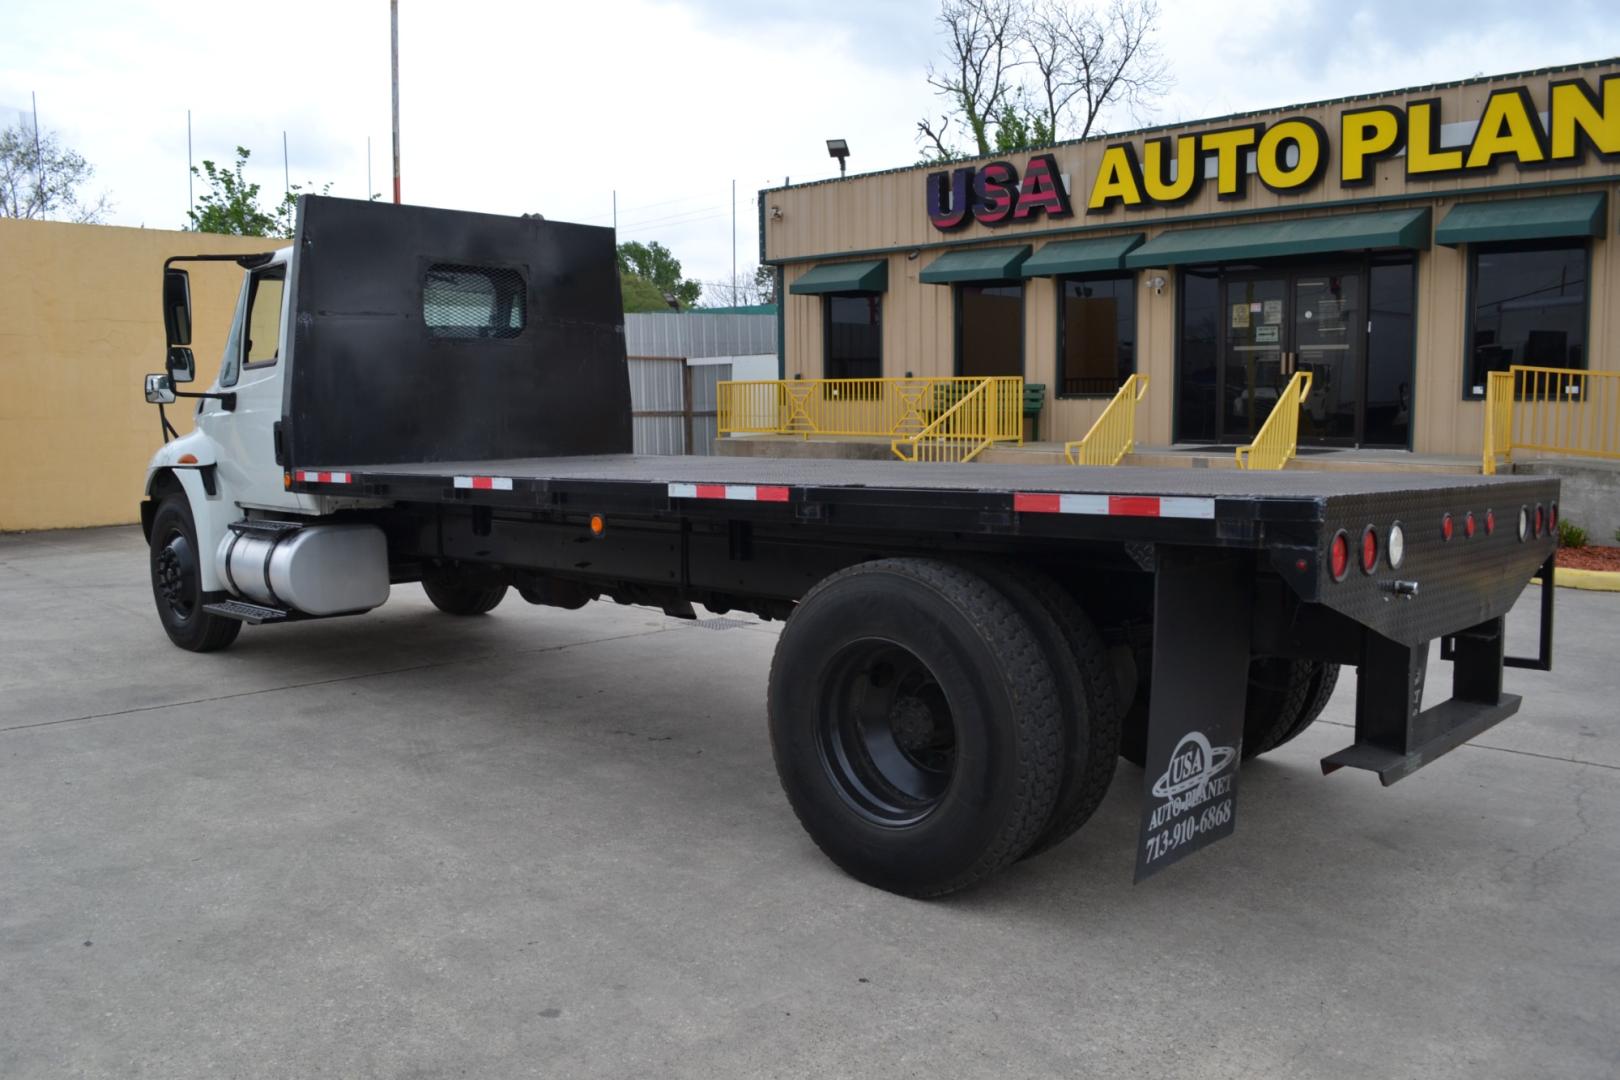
(983, 49)
(1089, 60)
(40, 178)
(1020, 73)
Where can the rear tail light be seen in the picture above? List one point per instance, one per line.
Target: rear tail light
(1468, 524)
(1395, 548)
(1524, 523)
(1541, 520)
(1552, 517)
(1369, 550)
(1339, 556)
(1490, 522)
(1446, 527)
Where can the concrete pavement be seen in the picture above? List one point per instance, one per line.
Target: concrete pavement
(546, 843)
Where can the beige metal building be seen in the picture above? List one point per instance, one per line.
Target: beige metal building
(1398, 246)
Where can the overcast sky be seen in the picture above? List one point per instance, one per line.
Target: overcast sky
(551, 107)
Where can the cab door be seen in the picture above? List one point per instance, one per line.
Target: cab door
(252, 367)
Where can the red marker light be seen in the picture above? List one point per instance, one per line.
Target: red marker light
(1369, 550)
(1468, 524)
(1552, 517)
(1490, 522)
(1541, 520)
(1339, 556)
(1446, 527)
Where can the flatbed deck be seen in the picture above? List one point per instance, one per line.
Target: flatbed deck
(819, 474)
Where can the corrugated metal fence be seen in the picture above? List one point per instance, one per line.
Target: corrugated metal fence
(674, 404)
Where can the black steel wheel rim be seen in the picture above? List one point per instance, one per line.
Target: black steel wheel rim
(885, 733)
(174, 572)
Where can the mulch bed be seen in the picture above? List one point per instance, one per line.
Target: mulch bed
(1590, 557)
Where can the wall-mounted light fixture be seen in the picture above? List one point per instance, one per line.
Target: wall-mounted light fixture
(839, 149)
(776, 213)
(1156, 282)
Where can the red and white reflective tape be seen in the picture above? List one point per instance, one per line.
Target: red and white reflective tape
(743, 492)
(484, 483)
(1113, 505)
(304, 477)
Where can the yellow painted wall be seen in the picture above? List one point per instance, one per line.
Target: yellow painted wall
(856, 219)
(80, 326)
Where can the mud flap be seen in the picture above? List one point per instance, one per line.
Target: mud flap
(1201, 630)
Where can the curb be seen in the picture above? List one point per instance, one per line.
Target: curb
(1591, 580)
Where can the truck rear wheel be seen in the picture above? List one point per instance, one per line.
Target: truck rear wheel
(1086, 690)
(915, 725)
(1279, 705)
(1323, 681)
(454, 593)
(176, 564)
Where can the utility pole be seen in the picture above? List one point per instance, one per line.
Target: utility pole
(39, 160)
(191, 193)
(615, 212)
(369, 192)
(733, 242)
(286, 169)
(393, 12)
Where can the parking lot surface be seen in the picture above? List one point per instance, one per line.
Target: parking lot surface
(548, 843)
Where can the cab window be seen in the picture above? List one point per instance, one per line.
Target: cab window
(262, 345)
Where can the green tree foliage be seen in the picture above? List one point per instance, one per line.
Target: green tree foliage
(654, 263)
(40, 178)
(231, 203)
(640, 294)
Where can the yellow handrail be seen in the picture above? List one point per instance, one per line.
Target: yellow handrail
(991, 412)
(1114, 433)
(875, 408)
(1278, 438)
(1551, 410)
(1498, 419)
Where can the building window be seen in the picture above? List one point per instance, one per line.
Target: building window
(852, 336)
(1198, 356)
(1528, 307)
(473, 301)
(1096, 335)
(990, 329)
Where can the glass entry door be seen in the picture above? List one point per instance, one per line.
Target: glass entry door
(1295, 321)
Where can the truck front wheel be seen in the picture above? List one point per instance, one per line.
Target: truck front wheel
(456, 594)
(177, 581)
(915, 724)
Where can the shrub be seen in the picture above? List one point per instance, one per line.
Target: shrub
(1571, 535)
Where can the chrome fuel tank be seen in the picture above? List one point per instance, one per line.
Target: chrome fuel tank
(318, 570)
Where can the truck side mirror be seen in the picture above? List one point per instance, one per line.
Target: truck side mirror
(182, 365)
(159, 390)
(177, 306)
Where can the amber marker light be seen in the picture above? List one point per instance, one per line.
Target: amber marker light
(598, 525)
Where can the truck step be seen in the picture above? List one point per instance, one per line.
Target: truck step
(252, 614)
(265, 526)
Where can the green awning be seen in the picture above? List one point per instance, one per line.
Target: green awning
(980, 264)
(849, 277)
(1524, 219)
(1081, 256)
(1302, 236)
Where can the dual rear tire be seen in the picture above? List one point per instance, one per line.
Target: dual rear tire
(933, 722)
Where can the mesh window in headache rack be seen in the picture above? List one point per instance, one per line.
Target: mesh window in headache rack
(460, 301)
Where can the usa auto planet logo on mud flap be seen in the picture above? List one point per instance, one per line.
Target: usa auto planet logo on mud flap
(1197, 797)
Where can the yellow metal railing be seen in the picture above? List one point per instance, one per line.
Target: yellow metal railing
(1553, 411)
(1114, 434)
(895, 409)
(1498, 419)
(1278, 437)
(990, 412)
